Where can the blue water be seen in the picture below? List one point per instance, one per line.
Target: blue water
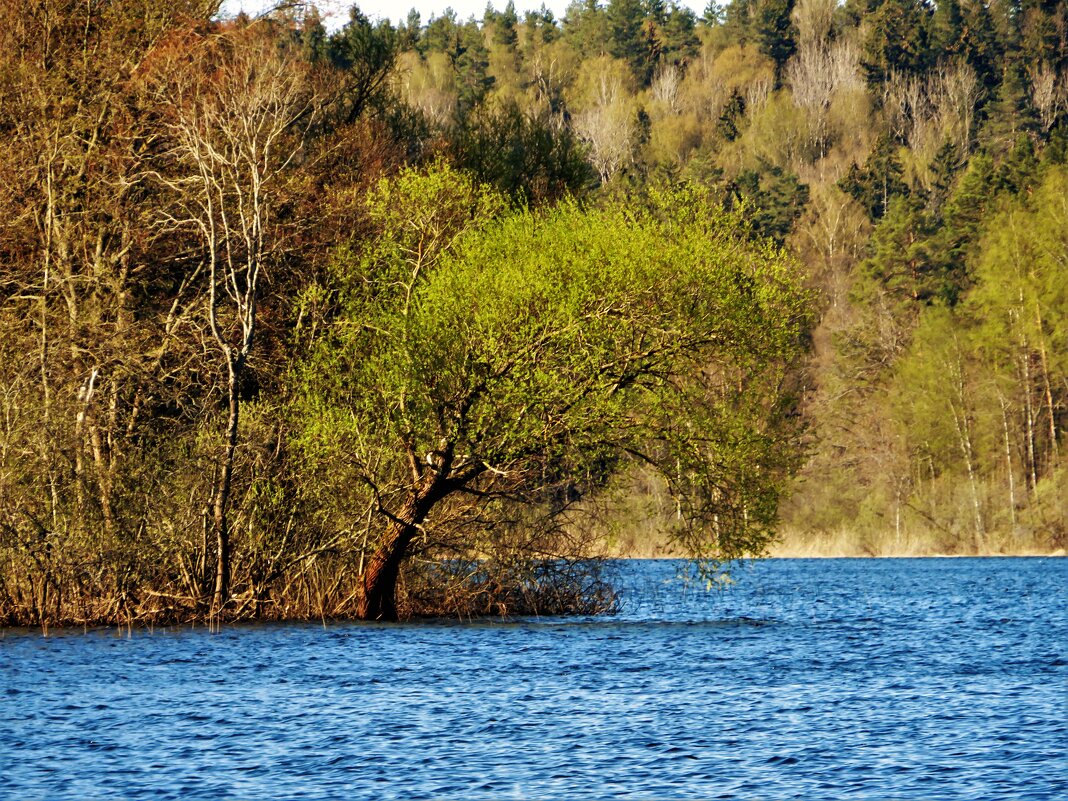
(859, 679)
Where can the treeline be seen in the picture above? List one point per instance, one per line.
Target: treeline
(388, 320)
(274, 343)
(912, 154)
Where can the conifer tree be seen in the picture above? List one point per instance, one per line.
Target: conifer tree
(880, 180)
(897, 41)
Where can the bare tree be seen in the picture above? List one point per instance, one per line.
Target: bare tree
(929, 111)
(665, 86)
(817, 73)
(1049, 91)
(813, 19)
(242, 112)
(608, 125)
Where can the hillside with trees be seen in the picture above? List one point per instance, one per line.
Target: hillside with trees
(381, 321)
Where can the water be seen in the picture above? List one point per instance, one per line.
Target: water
(904, 679)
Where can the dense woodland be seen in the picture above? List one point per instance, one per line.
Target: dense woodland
(367, 320)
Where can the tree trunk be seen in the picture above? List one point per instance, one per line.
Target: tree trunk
(964, 436)
(222, 491)
(1008, 461)
(379, 598)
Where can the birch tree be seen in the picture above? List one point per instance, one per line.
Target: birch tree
(242, 112)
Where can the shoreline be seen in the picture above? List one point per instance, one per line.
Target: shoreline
(786, 553)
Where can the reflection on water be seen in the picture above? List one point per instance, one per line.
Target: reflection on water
(877, 679)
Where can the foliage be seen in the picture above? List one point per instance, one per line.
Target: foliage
(161, 164)
(527, 360)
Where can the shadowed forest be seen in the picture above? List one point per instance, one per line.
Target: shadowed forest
(379, 321)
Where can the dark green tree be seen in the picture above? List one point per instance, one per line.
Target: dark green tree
(587, 27)
(896, 41)
(774, 200)
(947, 30)
(531, 159)
(1011, 113)
(964, 211)
(773, 30)
(410, 32)
(879, 180)
(731, 116)
(984, 48)
(635, 38)
(679, 34)
(365, 55)
(504, 24)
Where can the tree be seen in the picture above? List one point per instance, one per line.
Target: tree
(774, 31)
(530, 157)
(896, 41)
(518, 363)
(636, 37)
(775, 200)
(607, 120)
(364, 55)
(1021, 301)
(88, 311)
(879, 181)
(242, 110)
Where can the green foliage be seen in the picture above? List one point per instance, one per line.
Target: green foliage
(774, 31)
(545, 350)
(936, 385)
(1011, 113)
(897, 40)
(365, 53)
(530, 158)
(774, 198)
(879, 181)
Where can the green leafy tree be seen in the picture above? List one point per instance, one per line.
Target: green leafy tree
(503, 363)
(1021, 302)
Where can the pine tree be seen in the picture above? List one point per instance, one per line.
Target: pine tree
(983, 47)
(504, 26)
(879, 181)
(634, 38)
(962, 216)
(897, 41)
(900, 259)
(1020, 170)
(733, 111)
(1011, 113)
(947, 30)
(410, 31)
(472, 68)
(680, 35)
(586, 28)
(774, 31)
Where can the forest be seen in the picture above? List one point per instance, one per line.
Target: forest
(302, 320)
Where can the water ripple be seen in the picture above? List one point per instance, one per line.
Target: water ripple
(910, 679)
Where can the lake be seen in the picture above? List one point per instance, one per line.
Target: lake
(807, 679)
